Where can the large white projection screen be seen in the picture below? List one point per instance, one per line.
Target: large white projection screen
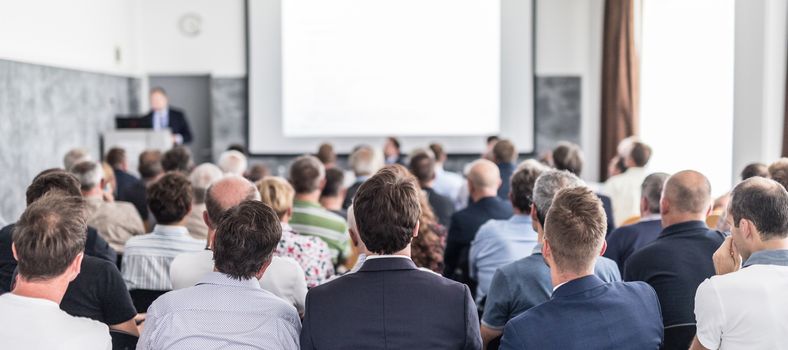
(355, 71)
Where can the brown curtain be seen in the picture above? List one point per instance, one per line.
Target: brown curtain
(619, 79)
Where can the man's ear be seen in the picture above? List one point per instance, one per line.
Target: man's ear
(547, 253)
(747, 229)
(13, 251)
(416, 229)
(207, 219)
(534, 217)
(644, 205)
(260, 273)
(76, 266)
(709, 209)
(354, 237)
(322, 184)
(604, 248)
(664, 206)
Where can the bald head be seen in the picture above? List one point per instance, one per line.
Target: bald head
(484, 175)
(687, 192)
(227, 193)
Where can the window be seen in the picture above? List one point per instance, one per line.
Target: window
(686, 110)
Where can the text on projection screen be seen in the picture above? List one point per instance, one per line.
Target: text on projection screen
(390, 67)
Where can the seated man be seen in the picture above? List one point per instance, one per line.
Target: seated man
(201, 178)
(227, 308)
(49, 243)
(130, 189)
(745, 308)
(626, 240)
(584, 311)
(500, 242)
(525, 283)
(681, 257)
(413, 309)
(284, 277)
(146, 263)
(49, 180)
(116, 222)
(422, 166)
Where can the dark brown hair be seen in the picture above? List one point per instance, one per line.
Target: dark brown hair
(326, 154)
(49, 235)
(246, 236)
(170, 198)
(334, 180)
(306, 173)
(568, 156)
(150, 164)
(778, 171)
(178, 158)
(522, 184)
(52, 179)
(115, 157)
(575, 228)
(765, 203)
(640, 154)
(387, 210)
(422, 166)
(753, 170)
(504, 151)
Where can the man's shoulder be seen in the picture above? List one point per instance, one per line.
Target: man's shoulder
(352, 281)
(490, 228)
(524, 268)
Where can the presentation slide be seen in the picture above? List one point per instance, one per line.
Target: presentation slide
(356, 71)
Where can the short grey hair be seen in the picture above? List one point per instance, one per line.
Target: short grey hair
(233, 162)
(362, 161)
(201, 178)
(651, 190)
(547, 185)
(74, 157)
(89, 174)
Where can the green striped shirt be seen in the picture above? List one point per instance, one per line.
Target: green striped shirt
(311, 219)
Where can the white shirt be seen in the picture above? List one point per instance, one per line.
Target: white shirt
(146, 261)
(747, 309)
(284, 277)
(32, 323)
(449, 185)
(221, 312)
(624, 192)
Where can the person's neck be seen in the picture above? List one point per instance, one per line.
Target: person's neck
(403, 252)
(560, 277)
(95, 192)
(181, 223)
(331, 203)
(52, 289)
(427, 184)
(773, 244)
(312, 197)
(482, 194)
(678, 218)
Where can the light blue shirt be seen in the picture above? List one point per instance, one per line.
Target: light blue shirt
(221, 313)
(497, 243)
(161, 119)
(449, 185)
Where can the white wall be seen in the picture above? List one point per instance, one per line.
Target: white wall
(569, 43)
(77, 34)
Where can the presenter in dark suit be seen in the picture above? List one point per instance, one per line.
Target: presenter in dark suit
(584, 312)
(163, 116)
(390, 303)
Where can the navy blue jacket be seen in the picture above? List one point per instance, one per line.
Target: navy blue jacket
(506, 169)
(131, 189)
(462, 230)
(442, 207)
(626, 240)
(390, 304)
(588, 313)
(177, 123)
(608, 206)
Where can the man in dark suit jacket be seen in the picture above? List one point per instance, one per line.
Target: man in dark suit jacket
(584, 311)
(422, 166)
(483, 183)
(130, 189)
(504, 155)
(389, 303)
(362, 161)
(681, 258)
(163, 116)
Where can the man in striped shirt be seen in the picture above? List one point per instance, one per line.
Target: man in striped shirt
(308, 177)
(147, 259)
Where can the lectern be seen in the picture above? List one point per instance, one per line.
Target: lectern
(134, 141)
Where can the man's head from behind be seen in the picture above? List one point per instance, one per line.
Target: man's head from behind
(170, 198)
(225, 194)
(335, 178)
(685, 197)
(233, 162)
(116, 158)
(386, 209)
(545, 188)
(754, 169)
(75, 156)
(639, 155)
(574, 231)
(362, 161)
(150, 164)
(439, 152)
(90, 175)
(49, 237)
(568, 156)
(778, 171)
(52, 179)
(307, 175)
(757, 213)
(522, 185)
(201, 178)
(651, 193)
(178, 158)
(484, 178)
(246, 236)
(422, 166)
(504, 152)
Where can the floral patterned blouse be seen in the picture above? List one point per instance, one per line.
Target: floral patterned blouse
(310, 252)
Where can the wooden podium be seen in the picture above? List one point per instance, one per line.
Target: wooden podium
(135, 141)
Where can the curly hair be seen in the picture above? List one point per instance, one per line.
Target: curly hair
(170, 198)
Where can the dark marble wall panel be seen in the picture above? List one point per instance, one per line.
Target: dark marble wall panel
(558, 110)
(44, 112)
(228, 113)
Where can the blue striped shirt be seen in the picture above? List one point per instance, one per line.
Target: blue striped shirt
(147, 258)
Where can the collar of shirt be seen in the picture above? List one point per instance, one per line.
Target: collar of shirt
(682, 228)
(777, 257)
(359, 262)
(218, 278)
(39, 301)
(537, 249)
(558, 286)
(300, 203)
(651, 217)
(521, 218)
(373, 257)
(170, 230)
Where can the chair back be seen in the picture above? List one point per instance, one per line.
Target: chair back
(122, 340)
(142, 298)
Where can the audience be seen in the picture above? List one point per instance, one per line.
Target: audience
(623, 188)
(525, 283)
(201, 178)
(233, 162)
(362, 162)
(116, 222)
(681, 257)
(146, 262)
(333, 195)
(447, 184)
(504, 155)
(392, 153)
(179, 159)
(398, 313)
(422, 166)
(753, 170)
(778, 171)
(311, 253)
(284, 277)
(257, 172)
(626, 240)
(308, 177)
(483, 181)
(74, 157)
(150, 167)
(49, 242)
(428, 246)
(227, 308)
(500, 242)
(743, 308)
(326, 155)
(584, 311)
(129, 188)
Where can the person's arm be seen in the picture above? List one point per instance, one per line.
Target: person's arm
(727, 258)
(473, 339)
(488, 334)
(497, 310)
(510, 339)
(129, 326)
(116, 304)
(101, 249)
(709, 315)
(696, 345)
